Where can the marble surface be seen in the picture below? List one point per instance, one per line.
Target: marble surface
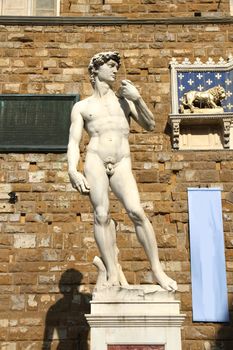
(135, 347)
(137, 317)
(132, 293)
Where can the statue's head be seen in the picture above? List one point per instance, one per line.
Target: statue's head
(70, 281)
(99, 59)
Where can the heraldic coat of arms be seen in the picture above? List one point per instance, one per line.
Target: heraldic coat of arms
(202, 99)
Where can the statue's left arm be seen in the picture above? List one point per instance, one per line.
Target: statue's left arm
(138, 108)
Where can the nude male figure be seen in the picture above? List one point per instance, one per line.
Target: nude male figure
(106, 118)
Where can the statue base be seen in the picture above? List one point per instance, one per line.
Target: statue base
(138, 317)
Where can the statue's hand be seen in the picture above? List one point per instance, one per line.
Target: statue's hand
(129, 91)
(79, 182)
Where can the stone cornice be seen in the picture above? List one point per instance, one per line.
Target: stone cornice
(101, 321)
(112, 21)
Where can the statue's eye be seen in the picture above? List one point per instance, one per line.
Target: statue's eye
(111, 65)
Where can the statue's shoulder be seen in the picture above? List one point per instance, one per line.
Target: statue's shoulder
(81, 103)
(81, 106)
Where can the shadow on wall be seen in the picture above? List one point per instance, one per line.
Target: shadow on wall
(225, 332)
(65, 323)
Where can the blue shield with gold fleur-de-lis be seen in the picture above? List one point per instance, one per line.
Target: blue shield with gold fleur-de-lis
(202, 94)
(201, 81)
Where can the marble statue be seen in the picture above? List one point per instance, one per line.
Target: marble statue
(210, 98)
(105, 115)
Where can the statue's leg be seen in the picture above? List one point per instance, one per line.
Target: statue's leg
(104, 227)
(213, 104)
(124, 186)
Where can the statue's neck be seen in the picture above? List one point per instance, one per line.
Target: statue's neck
(102, 89)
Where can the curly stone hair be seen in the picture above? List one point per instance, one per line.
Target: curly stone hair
(99, 59)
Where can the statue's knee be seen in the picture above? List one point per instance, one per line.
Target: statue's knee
(137, 215)
(101, 217)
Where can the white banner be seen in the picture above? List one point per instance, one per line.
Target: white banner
(208, 268)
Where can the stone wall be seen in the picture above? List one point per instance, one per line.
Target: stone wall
(46, 238)
(144, 8)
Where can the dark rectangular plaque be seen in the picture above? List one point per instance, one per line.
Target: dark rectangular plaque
(136, 347)
(35, 123)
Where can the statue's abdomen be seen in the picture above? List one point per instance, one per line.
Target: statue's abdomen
(110, 141)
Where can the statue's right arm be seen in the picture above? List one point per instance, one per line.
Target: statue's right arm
(77, 179)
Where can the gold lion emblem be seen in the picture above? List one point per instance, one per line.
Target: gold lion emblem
(203, 99)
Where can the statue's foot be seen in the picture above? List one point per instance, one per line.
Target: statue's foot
(165, 282)
(112, 281)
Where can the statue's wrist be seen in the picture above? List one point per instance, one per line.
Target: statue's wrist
(72, 171)
(137, 99)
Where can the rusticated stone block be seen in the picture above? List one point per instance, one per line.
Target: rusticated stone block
(197, 345)
(8, 345)
(166, 241)
(226, 175)
(24, 241)
(4, 304)
(25, 278)
(27, 255)
(147, 176)
(199, 332)
(17, 302)
(173, 254)
(19, 176)
(37, 176)
(24, 332)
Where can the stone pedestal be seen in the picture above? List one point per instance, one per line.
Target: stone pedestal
(139, 317)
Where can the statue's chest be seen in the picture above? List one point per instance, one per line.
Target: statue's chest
(104, 110)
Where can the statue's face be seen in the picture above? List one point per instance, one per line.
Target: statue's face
(107, 72)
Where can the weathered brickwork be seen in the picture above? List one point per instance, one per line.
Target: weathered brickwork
(46, 237)
(143, 8)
